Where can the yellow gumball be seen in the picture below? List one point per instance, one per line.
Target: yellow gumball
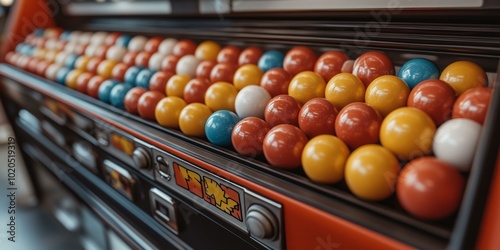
(105, 68)
(50, 55)
(39, 53)
(248, 74)
(307, 85)
(192, 119)
(176, 84)
(387, 93)
(81, 63)
(344, 88)
(207, 50)
(323, 159)
(71, 78)
(221, 96)
(371, 172)
(464, 75)
(408, 133)
(168, 110)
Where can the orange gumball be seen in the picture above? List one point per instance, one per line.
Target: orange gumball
(464, 75)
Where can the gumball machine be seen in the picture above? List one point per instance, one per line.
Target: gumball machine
(260, 124)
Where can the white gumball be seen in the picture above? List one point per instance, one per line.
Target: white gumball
(90, 50)
(116, 53)
(98, 38)
(85, 38)
(251, 101)
(155, 61)
(51, 71)
(187, 65)
(74, 36)
(455, 142)
(61, 57)
(166, 46)
(137, 43)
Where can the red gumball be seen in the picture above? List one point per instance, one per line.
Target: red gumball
(317, 117)
(195, 90)
(275, 81)
(142, 59)
(250, 55)
(93, 64)
(169, 63)
(430, 189)
(184, 47)
(283, 146)
(82, 81)
(111, 38)
(473, 104)
(358, 124)
(147, 104)
(248, 136)
(93, 85)
(229, 54)
(119, 71)
(132, 99)
(101, 50)
(129, 58)
(80, 49)
(41, 67)
(330, 63)
(158, 81)
(371, 65)
(205, 68)
(223, 72)
(435, 98)
(152, 44)
(299, 59)
(32, 65)
(282, 109)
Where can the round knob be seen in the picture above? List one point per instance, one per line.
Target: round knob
(141, 158)
(261, 223)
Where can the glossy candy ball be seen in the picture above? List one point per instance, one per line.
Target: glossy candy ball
(456, 142)
(117, 95)
(248, 136)
(250, 55)
(116, 53)
(283, 146)
(306, 86)
(123, 40)
(71, 78)
(167, 46)
(137, 43)
(229, 54)
(155, 61)
(251, 101)
(271, 59)
(330, 64)
(223, 72)
(61, 75)
(82, 82)
(196, 89)
(176, 85)
(207, 50)
(193, 118)
(204, 69)
(119, 71)
(344, 88)
(371, 65)
(131, 74)
(221, 96)
(169, 63)
(387, 93)
(317, 117)
(371, 172)
(282, 109)
(143, 78)
(473, 104)
(187, 65)
(358, 124)
(129, 58)
(158, 81)
(105, 88)
(299, 59)
(408, 133)
(146, 104)
(430, 189)
(417, 70)
(93, 86)
(105, 68)
(464, 75)
(152, 44)
(323, 159)
(184, 47)
(276, 81)
(132, 99)
(246, 75)
(168, 111)
(219, 127)
(434, 97)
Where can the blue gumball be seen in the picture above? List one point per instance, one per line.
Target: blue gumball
(123, 40)
(117, 95)
(104, 91)
(142, 79)
(70, 61)
(417, 70)
(219, 127)
(61, 75)
(131, 74)
(65, 35)
(271, 59)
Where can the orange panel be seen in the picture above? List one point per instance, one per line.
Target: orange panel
(490, 229)
(26, 16)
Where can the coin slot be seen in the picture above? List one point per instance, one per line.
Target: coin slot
(164, 209)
